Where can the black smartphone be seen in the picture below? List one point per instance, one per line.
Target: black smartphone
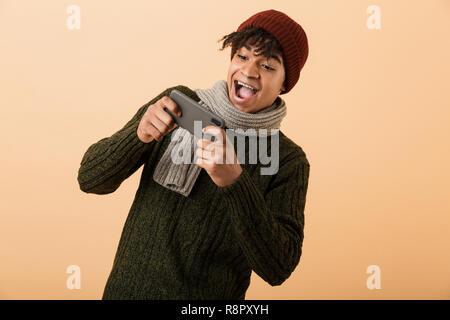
(192, 111)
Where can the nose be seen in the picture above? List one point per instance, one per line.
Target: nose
(250, 69)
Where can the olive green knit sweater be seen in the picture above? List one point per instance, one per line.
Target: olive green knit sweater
(204, 246)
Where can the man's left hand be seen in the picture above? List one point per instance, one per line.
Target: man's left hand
(218, 158)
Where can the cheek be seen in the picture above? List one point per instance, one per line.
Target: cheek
(275, 84)
(233, 68)
(234, 65)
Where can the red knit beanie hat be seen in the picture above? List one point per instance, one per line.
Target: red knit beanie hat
(291, 36)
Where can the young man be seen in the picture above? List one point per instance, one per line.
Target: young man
(198, 230)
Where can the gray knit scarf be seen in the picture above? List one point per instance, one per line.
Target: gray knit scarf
(180, 175)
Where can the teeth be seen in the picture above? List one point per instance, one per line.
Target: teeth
(246, 85)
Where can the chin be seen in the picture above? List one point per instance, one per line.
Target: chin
(240, 108)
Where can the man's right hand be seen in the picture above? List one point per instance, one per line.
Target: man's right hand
(156, 123)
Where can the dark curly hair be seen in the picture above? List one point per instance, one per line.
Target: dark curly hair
(265, 43)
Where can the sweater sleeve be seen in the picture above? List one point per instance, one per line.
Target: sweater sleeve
(269, 228)
(108, 162)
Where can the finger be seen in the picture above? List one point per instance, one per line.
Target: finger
(165, 117)
(145, 133)
(152, 131)
(213, 130)
(203, 163)
(171, 105)
(205, 144)
(159, 125)
(199, 162)
(217, 132)
(207, 155)
(173, 126)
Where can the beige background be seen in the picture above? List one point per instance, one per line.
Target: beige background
(371, 111)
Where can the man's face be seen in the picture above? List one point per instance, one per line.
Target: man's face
(265, 75)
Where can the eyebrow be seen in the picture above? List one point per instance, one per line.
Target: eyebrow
(273, 56)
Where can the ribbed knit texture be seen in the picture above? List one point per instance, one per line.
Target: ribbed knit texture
(204, 246)
(180, 176)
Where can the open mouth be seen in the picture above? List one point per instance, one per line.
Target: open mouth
(244, 92)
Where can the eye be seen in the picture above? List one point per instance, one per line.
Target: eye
(268, 68)
(264, 65)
